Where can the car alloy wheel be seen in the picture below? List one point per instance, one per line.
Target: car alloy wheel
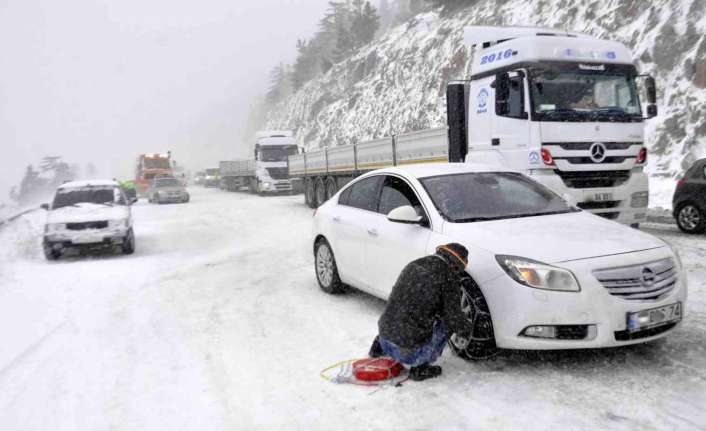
(690, 219)
(326, 270)
(481, 342)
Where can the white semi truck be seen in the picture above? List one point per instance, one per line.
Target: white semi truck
(563, 108)
(267, 171)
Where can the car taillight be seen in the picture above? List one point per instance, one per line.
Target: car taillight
(547, 157)
(641, 156)
(680, 182)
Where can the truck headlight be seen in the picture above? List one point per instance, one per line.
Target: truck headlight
(639, 199)
(54, 227)
(537, 274)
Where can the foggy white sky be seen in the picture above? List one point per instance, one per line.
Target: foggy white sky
(103, 80)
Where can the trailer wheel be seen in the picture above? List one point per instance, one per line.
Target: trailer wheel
(309, 193)
(331, 187)
(319, 193)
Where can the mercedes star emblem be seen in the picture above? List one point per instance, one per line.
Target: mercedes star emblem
(597, 151)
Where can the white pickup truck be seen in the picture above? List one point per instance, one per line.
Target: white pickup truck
(563, 108)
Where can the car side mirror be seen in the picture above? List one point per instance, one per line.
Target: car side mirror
(404, 214)
(502, 93)
(44, 206)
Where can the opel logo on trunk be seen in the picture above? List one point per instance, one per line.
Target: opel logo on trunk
(648, 277)
(597, 151)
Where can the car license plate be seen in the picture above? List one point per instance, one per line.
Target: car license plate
(654, 317)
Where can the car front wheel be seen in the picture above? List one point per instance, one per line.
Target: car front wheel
(480, 342)
(326, 269)
(129, 243)
(690, 219)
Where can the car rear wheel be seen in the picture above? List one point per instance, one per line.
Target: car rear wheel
(480, 343)
(326, 269)
(691, 219)
(129, 243)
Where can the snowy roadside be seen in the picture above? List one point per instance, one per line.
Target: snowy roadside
(217, 323)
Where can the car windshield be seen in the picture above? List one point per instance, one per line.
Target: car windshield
(490, 196)
(106, 195)
(584, 92)
(156, 163)
(276, 153)
(168, 182)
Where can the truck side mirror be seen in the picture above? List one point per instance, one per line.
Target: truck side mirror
(651, 111)
(651, 89)
(502, 94)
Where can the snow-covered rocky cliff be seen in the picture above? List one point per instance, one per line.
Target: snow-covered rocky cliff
(396, 84)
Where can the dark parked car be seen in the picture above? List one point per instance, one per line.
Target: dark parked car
(689, 200)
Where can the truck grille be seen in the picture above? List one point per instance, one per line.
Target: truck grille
(585, 146)
(588, 161)
(593, 179)
(278, 173)
(647, 281)
(87, 225)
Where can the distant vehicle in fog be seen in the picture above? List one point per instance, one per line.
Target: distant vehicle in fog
(88, 215)
(689, 201)
(150, 166)
(166, 190)
(199, 177)
(212, 178)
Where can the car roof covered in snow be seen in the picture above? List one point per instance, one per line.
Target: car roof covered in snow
(88, 183)
(424, 170)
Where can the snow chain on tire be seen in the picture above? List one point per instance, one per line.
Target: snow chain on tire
(482, 342)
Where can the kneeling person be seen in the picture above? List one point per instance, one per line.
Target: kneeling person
(424, 308)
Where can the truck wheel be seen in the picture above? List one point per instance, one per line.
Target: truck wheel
(481, 344)
(309, 193)
(51, 254)
(331, 187)
(319, 193)
(326, 269)
(690, 218)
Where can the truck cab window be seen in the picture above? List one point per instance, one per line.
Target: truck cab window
(516, 99)
(364, 194)
(396, 193)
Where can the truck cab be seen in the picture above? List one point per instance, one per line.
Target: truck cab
(272, 149)
(563, 108)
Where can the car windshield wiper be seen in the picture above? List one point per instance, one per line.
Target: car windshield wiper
(503, 217)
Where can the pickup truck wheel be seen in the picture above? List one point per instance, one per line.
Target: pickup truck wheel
(326, 269)
(309, 193)
(129, 243)
(319, 193)
(331, 187)
(481, 344)
(51, 254)
(690, 218)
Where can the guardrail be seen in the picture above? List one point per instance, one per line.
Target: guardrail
(14, 217)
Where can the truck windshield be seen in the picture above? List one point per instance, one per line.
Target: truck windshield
(584, 92)
(278, 153)
(168, 182)
(472, 197)
(107, 195)
(156, 163)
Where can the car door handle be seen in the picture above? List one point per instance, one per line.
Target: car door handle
(336, 219)
(372, 232)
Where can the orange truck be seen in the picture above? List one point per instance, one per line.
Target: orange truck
(150, 166)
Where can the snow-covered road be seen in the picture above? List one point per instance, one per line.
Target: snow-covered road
(217, 323)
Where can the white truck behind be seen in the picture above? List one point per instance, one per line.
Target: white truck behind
(560, 107)
(267, 171)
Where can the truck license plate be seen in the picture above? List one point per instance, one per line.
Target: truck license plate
(654, 317)
(602, 197)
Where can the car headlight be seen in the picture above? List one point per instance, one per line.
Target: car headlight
(118, 223)
(537, 274)
(54, 227)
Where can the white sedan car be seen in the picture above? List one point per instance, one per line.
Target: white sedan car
(547, 275)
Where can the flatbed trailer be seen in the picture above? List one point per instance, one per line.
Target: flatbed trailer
(237, 174)
(323, 172)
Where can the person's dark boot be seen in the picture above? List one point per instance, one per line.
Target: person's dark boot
(424, 371)
(376, 349)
